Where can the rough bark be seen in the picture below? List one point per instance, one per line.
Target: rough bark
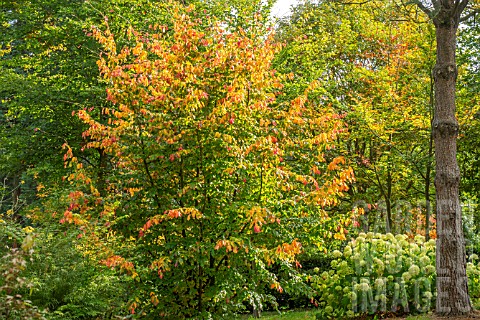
(452, 290)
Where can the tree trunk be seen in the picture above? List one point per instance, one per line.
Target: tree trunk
(452, 290)
(429, 162)
(16, 192)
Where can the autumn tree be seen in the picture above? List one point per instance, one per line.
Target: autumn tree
(375, 68)
(213, 184)
(49, 70)
(468, 114)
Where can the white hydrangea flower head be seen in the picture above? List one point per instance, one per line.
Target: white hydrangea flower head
(364, 287)
(336, 254)
(404, 243)
(352, 295)
(419, 239)
(377, 261)
(408, 261)
(414, 270)
(379, 282)
(400, 237)
(406, 276)
(347, 252)
(431, 243)
(390, 237)
(429, 269)
(424, 260)
(383, 298)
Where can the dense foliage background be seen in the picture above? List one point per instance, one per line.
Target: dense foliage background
(197, 159)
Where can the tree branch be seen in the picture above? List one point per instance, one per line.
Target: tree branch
(469, 15)
(460, 5)
(422, 7)
(353, 2)
(445, 3)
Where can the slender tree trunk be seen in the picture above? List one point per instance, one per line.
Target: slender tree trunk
(388, 199)
(16, 192)
(427, 191)
(452, 290)
(429, 163)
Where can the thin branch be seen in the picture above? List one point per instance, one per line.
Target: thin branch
(422, 7)
(445, 3)
(469, 15)
(460, 5)
(353, 2)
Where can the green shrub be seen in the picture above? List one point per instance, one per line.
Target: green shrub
(15, 251)
(46, 269)
(379, 273)
(473, 273)
(13, 305)
(68, 283)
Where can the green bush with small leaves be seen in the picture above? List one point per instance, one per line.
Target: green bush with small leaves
(46, 275)
(473, 273)
(69, 284)
(382, 273)
(15, 252)
(377, 273)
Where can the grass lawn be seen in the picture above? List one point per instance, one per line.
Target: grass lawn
(307, 314)
(285, 315)
(310, 315)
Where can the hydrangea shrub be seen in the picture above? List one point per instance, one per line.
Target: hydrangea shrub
(473, 273)
(382, 273)
(377, 273)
